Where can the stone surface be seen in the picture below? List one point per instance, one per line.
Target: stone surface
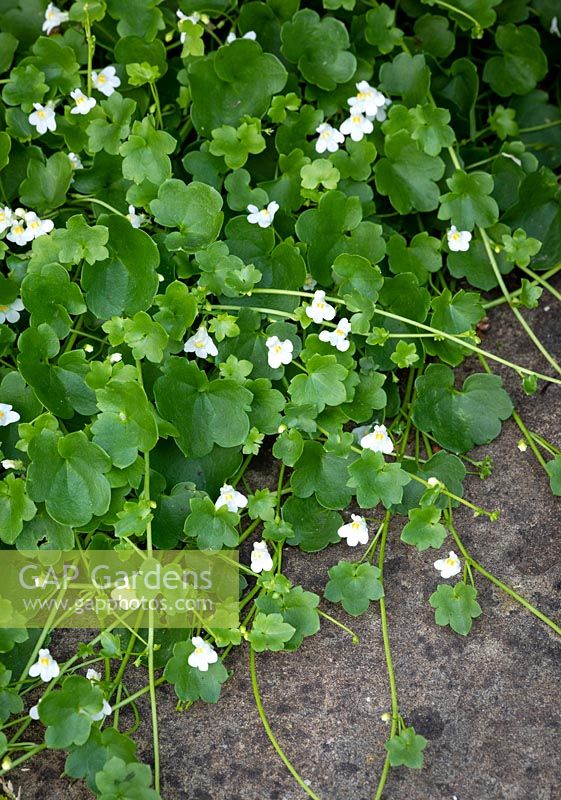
(488, 703)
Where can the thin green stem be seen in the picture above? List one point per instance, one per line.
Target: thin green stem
(23, 758)
(336, 622)
(389, 662)
(80, 199)
(270, 733)
(542, 281)
(91, 47)
(544, 126)
(529, 439)
(501, 300)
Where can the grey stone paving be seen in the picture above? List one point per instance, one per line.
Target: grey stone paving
(489, 703)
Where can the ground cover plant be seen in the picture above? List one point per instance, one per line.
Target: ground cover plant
(231, 227)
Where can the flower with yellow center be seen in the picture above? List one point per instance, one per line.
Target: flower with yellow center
(232, 499)
(448, 567)
(202, 655)
(378, 440)
(201, 344)
(458, 241)
(45, 667)
(355, 532)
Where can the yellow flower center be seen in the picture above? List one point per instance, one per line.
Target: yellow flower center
(35, 224)
(2, 414)
(4, 308)
(320, 304)
(450, 562)
(379, 436)
(455, 236)
(41, 114)
(44, 661)
(325, 135)
(228, 496)
(101, 79)
(357, 119)
(266, 212)
(18, 229)
(80, 99)
(199, 343)
(355, 525)
(339, 332)
(278, 348)
(199, 651)
(363, 95)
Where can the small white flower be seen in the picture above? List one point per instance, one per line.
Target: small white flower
(232, 36)
(382, 113)
(7, 415)
(75, 162)
(355, 532)
(433, 482)
(329, 138)
(356, 126)
(105, 711)
(45, 667)
(93, 675)
(34, 712)
(232, 499)
(263, 217)
(338, 337)
(53, 18)
(554, 27)
(6, 218)
(114, 358)
(10, 312)
(19, 234)
(458, 241)
(367, 100)
(38, 227)
(84, 104)
(8, 463)
(201, 344)
(135, 219)
(310, 283)
(319, 310)
(202, 655)
(448, 567)
(20, 213)
(522, 445)
(106, 81)
(378, 440)
(43, 118)
(261, 560)
(88, 348)
(278, 352)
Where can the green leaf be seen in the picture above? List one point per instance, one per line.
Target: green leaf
(408, 76)
(213, 528)
(455, 606)
(241, 80)
(194, 209)
(126, 281)
(137, 17)
(323, 474)
(85, 760)
(503, 122)
(68, 712)
(314, 526)
(191, 684)
(468, 204)
(421, 257)
(67, 473)
(454, 314)
(433, 36)
(380, 30)
(376, 480)
(178, 309)
(269, 632)
(522, 63)
(146, 153)
(289, 446)
(25, 86)
(204, 412)
(261, 505)
(237, 144)
(407, 175)
(520, 248)
(319, 47)
(81, 241)
(50, 297)
(126, 424)
(553, 469)
(460, 419)
(404, 355)
(298, 608)
(107, 134)
(146, 337)
(47, 183)
(322, 385)
(406, 749)
(58, 63)
(354, 586)
(124, 781)
(424, 528)
(15, 508)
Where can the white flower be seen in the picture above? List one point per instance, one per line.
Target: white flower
(53, 18)
(367, 100)
(263, 217)
(84, 104)
(34, 712)
(38, 227)
(378, 440)
(8, 463)
(10, 312)
(329, 138)
(45, 667)
(458, 241)
(554, 27)
(355, 532)
(230, 498)
(261, 560)
(105, 711)
(201, 344)
(114, 358)
(88, 348)
(6, 218)
(232, 36)
(135, 219)
(356, 126)
(106, 81)
(19, 234)
(319, 310)
(93, 675)
(43, 118)
(194, 17)
(202, 655)
(338, 337)
(75, 162)
(278, 352)
(522, 445)
(310, 283)
(448, 567)
(382, 112)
